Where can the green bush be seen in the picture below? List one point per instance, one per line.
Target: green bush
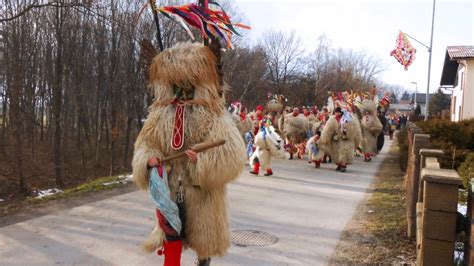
(456, 139)
(466, 168)
(402, 140)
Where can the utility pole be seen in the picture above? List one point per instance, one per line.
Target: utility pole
(429, 63)
(429, 60)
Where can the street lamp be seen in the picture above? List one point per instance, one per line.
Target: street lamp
(416, 91)
(429, 59)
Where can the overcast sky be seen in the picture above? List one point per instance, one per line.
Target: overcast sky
(371, 26)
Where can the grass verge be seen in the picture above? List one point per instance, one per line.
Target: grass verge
(377, 232)
(97, 185)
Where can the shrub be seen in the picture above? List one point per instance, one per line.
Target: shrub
(456, 139)
(466, 168)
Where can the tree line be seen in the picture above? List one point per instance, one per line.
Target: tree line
(73, 95)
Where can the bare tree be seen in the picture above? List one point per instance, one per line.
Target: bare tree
(341, 69)
(395, 91)
(244, 70)
(282, 53)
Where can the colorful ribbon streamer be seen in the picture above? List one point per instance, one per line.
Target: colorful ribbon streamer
(209, 22)
(404, 52)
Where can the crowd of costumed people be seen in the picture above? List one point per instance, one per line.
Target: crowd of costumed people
(190, 148)
(351, 124)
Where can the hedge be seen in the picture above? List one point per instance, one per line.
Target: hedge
(456, 139)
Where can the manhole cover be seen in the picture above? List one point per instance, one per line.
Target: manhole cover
(243, 238)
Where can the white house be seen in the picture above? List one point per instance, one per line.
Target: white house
(458, 73)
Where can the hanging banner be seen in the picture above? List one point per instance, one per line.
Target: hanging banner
(404, 52)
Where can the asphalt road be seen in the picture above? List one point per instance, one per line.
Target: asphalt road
(305, 208)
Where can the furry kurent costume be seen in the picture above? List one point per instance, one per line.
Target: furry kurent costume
(294, 127)
(242, 121)
(267, 143)
(339, 145)
(275, 108)
(244, 124)
(371, 128)
(188, 109)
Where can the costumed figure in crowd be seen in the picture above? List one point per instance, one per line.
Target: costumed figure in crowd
(188, 117)
(294, 127)
(242, 121)
(381, 136)
(391, 126)
(340, 145)
(300, 150)
(382, 108)
(249, 139)
(256, 118)
(315, 112)
(267, 143)
(275, 108)
(312, 148)
(323, 117)
(311, 113)
(371, 128)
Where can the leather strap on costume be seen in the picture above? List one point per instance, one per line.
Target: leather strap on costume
(177, 139)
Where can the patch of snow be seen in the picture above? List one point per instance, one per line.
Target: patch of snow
(47, 192)
(115, 182)
(128, 177)
(462, 209)
(370, 211)
(110, 183)
(1, 200)
(124, 179)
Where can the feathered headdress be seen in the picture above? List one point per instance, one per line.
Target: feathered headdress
(211, 23)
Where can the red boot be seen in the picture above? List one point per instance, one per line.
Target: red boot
(269, 172)
(172, 251)
(317, 163)
(256, 168)
(367, 157)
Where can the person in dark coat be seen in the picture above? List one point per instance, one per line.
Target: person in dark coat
(383, 121)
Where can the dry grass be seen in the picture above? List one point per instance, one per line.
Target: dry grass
(87, 188)
(377, 233)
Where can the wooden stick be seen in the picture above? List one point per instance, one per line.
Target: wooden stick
(196, 148)
(157, 23)
(204, 4)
